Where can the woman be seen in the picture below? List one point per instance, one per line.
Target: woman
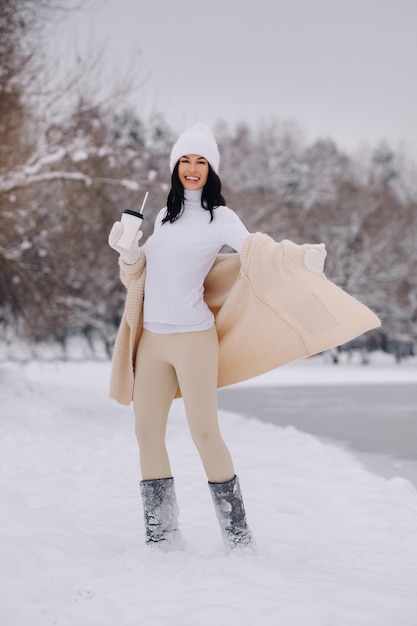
(179, 345)
(195, 320)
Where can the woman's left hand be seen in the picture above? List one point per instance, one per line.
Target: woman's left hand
(314, 257)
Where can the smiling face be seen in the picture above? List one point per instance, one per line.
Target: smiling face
(193, 171)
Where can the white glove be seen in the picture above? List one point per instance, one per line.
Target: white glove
(314, 257)
(128, 256)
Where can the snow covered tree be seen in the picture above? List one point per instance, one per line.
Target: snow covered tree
(65, 174)
(364, 209)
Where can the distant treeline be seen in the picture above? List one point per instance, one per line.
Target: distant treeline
(67, 171)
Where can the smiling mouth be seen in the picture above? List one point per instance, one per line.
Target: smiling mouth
(193, 179)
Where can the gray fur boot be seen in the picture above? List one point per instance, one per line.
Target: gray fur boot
(161, 513)
(230, 511)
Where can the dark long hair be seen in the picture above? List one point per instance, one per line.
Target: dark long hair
(211, 196)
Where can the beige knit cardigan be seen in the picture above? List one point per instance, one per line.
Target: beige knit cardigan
(269, 308)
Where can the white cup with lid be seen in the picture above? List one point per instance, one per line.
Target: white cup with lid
(132, 222)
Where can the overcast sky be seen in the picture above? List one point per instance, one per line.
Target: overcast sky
(344, 69)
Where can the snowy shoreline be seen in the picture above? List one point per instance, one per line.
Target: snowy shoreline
(336, 545)
(319, 370)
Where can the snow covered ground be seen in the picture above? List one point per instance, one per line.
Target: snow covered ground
(336, 545)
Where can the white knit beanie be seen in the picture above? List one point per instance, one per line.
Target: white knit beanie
(196, 140)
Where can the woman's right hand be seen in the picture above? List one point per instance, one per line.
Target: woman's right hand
(128, 256)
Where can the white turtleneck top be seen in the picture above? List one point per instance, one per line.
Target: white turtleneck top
(178, 258)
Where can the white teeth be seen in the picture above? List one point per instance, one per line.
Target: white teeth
(191, 178)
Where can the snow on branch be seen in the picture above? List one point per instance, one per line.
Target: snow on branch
(46, 159)
(31, 173)
(20, 179)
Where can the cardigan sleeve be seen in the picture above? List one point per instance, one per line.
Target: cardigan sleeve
(129, 272)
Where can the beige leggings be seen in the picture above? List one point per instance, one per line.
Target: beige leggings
(163, 362)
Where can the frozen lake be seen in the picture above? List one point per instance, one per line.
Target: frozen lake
(376, 421)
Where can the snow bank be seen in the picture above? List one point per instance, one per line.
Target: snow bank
(337, 546)
(319, 370)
